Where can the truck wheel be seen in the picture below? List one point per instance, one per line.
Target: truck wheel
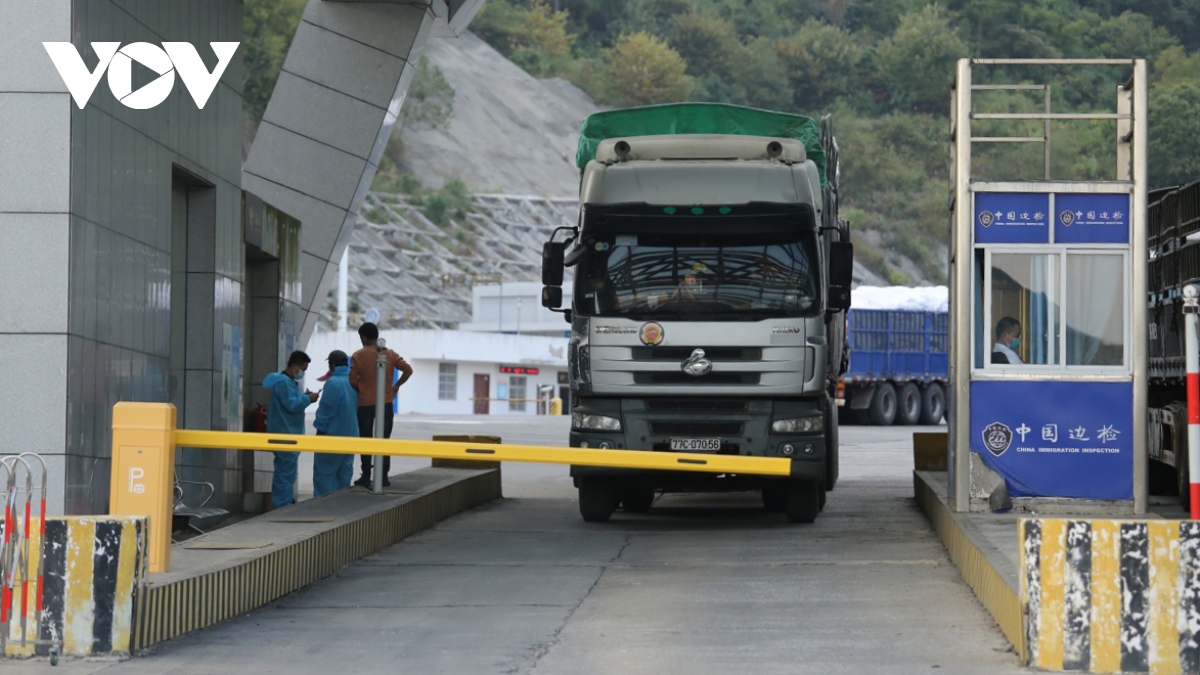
(802, 501)
(933, 405)
(637, 501)
(597, 500)
(773, 498)
(831, 451)
(908, 409)
(883, 405)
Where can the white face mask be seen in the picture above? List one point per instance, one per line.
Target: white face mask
(300, 378)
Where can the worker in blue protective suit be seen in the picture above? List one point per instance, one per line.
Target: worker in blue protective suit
(285, 415)
(337, 415)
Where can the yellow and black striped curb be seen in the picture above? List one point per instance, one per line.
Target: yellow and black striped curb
(997, 597)
(1111, 596)
(173, 609)
(95, 573)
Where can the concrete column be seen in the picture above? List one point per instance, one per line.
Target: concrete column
(330, 117)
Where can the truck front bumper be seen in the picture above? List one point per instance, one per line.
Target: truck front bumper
(742, 426)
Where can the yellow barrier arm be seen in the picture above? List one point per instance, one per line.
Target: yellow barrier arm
(630, 459)
(145, 439)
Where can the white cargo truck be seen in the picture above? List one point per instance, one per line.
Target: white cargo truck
(711, 281)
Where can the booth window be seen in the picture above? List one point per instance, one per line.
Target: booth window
(1095, 305)
(1064, 309)
(1024, 325)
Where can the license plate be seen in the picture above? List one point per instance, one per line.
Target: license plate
(696, 444)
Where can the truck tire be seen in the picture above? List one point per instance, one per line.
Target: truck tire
(883, 405)
(802, 501)
(773, 498)
(831, 448)
(933, 405)
(908, 404)
(597, 499)
(637, 500)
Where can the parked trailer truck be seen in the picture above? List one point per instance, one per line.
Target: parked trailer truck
(1174, 241)
(711, 279)
(898, 367)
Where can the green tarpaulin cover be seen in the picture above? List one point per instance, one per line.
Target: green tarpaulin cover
(699, 118)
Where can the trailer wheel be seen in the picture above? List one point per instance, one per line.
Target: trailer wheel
(908, 408)
(802, 502)
(933, 405)
(883, 405)
(597, 499)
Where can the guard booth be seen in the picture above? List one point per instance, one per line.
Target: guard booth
(1047, 293)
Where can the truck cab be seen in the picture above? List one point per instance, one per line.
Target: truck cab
(711, 277)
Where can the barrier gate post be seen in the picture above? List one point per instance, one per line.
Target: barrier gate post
(380, 369)
(1191, 308)
(143, 470)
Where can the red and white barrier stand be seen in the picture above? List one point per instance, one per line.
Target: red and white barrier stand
(1191, 307)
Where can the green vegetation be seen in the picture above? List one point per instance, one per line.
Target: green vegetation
(883, 68)
(451, 202)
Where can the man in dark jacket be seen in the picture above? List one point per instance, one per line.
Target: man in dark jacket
(285, 415)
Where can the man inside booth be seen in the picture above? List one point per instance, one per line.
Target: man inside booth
(1008, 339)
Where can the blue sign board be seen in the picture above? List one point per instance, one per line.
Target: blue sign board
(1091, 218)
(1056, 439)
(1012, 218)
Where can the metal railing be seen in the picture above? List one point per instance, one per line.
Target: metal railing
(15, 549)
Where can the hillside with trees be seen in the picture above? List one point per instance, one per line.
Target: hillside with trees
(883, 68)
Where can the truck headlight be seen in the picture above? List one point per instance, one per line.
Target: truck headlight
(585, 422)
(798, 425)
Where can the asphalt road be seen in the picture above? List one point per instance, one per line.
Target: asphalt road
(703, 584)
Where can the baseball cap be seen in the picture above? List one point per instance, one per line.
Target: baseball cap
(336, 358)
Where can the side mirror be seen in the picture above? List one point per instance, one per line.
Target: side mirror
(841, 274)
(552, 266)
(552, 297)
(839, 298)
(841, 263)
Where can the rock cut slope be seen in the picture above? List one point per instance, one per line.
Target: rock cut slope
(509, 133)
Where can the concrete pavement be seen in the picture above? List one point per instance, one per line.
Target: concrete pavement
(702, 584)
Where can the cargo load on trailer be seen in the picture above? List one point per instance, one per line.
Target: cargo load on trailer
(1174, 241)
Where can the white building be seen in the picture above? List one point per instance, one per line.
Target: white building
(515, 308)
(464, 372)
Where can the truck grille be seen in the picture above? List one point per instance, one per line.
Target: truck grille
(699, 404)
(696, 428)
(681, 378)
(681, 353)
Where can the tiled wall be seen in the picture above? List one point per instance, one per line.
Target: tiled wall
(85, 240)
(122, 163)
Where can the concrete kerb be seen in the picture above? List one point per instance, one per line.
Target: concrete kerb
(978, 562)
(1098, 595)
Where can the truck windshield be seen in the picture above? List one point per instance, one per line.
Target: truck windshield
(698, 277)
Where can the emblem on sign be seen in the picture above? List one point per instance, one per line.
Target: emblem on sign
(1066, 218)
(986, 218)
(651, 334)
(696, 365)
(997, 437)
